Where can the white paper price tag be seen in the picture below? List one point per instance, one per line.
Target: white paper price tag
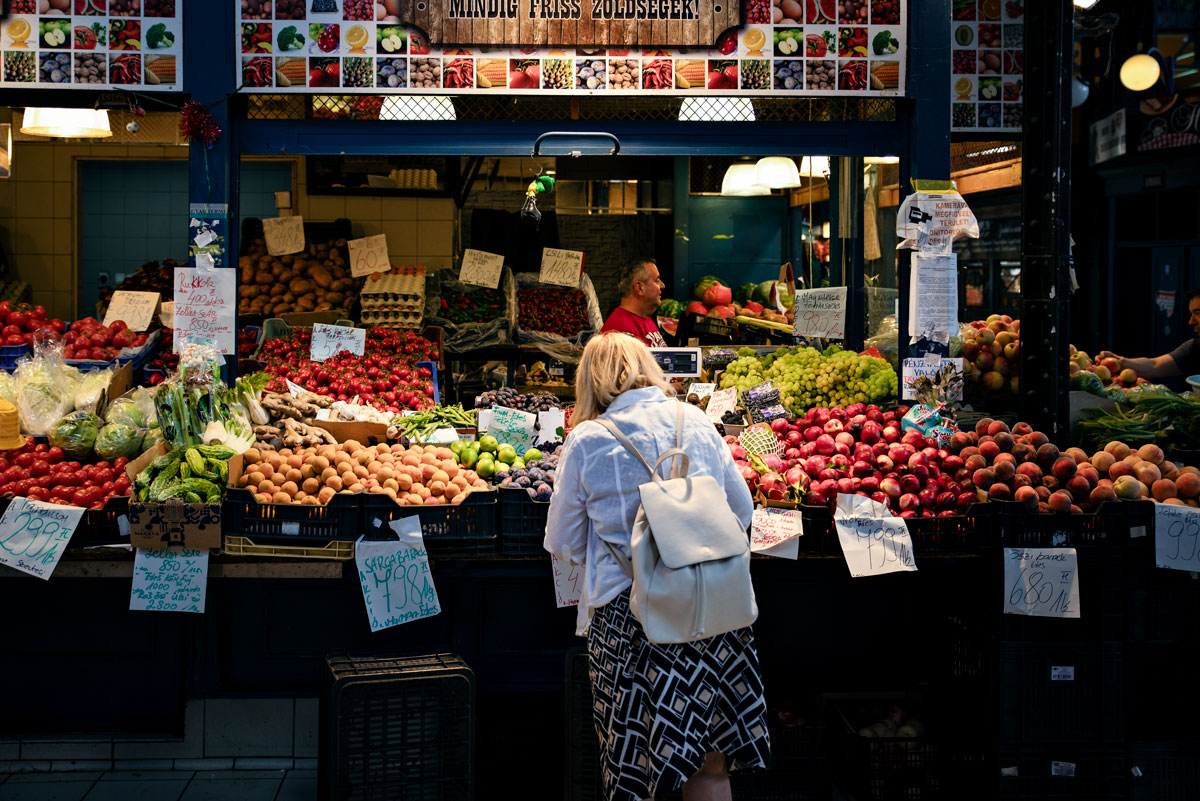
(701, 391)
(873, 542)
(723, 400)
(481, 268)
(369, 255)
(205, 306)
(1176, 537)
(135, 309)
(821, 313)
(551, 426)
(776, 532)
(1062, 768)
(330, 340)
(33, 535)
(396, 584)
(284, 235)
(568, 581)
(296, 390)
(1041, 582)
(513, 427)
(169, 580)
(561, 267)
(933, 301)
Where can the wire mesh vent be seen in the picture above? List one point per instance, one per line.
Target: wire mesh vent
(968, 155)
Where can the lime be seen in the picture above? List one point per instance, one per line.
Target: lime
(488, 443)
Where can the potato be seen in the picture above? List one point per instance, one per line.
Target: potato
(264, 277)
(320, 277)
(299, 286)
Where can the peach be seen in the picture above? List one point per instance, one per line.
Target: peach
(1005, 441)
(1051, 482)
(1102, 460)
(1102, 494)
(1037, 439)
(1128, 488)
(1188, 484)
(997, 427)
(1174, 502)
(1088, 472)
(989, 450)
(1151, 453)
(1078, 454)
(427, 472)
(1027, 496)
(981, 427)
(1079, 487)
(1004, 471)
(281, 497)
(983, 478)
(1020, 480)
(1005, 457)
(1060, 501)
(1133, 460)
(1162, 489)
(975, 462)
(1024, 452)
(1147, 473)
(311, 486)
(1063, 468)
(1119, 450)
(969, 451)
(1043, 508)
(1043, 493)
(1031, 470)
(1022, 429)
(1119, 469)
(999, 492)
(1047, 452)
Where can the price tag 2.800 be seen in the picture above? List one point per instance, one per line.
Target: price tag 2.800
(34, 535)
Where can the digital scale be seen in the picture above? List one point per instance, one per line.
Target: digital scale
(679, 362)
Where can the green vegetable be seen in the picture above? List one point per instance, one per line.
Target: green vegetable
(151, 438)
(163, 480)
(195, 461)
(421, 425)
(158, 36)
(76, 434)
(221, 452)
(884, 43)
(191, 497)
(116, 440)
(126, 412)
(744, 293)
(290, 39)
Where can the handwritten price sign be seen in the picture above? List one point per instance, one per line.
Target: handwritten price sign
(561, 267)
(1176, 537)
(481, 268)
(369, 255)
(776, 532)
(330, 340)
(204, 307)
(1041, 582)
(169, 580)
(135, 309)
(396, 583)
(568, 580)
(284, 235)
(33, 535)
(873, 542)
(722, 400)
(821, 313)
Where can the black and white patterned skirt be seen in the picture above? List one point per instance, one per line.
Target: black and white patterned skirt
(660, 708)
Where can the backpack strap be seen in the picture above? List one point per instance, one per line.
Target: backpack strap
(622, 560)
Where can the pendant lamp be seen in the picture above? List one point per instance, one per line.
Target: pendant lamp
(777, 172)
(739, 181)
(66, 123)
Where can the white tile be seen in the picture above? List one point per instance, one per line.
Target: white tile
(205, 763)
(436, 208)
(306, 764)
(143, 764)
(25, 766)
(298, 790)
(147, 775)
(398, 208)
(262, 763)
(71, 790)
(190, 747)
(213, 775)
(307, 722)
(67, 765)
(363, 208)
(435, 238)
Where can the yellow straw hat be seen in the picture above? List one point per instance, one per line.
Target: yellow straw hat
(10, 427)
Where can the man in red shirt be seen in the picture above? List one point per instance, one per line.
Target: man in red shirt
(641, 293)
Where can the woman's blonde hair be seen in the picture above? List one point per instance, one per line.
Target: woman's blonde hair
(613, 363)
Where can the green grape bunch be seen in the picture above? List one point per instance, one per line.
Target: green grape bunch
(807, 377)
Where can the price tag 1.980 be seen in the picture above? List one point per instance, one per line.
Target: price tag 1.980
(34, 535)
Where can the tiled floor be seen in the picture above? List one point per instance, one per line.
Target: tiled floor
(167, 785)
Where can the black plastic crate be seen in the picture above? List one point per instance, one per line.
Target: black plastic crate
(1041, 772)
(581, 771)
(467, 529)
(1157, 672)
(522, 523)
(397, 728)
(930, 535)
(103, 526)
(1164, 771)
(1165, 609)
(886, 768)
(289, 523)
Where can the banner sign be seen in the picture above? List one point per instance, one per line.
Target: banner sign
(676, 47)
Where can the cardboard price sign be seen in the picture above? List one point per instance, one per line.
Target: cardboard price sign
(561, 267)
(481, 268)
(928, 365)
(135, 309)
(205, 306)
(568, 580)
(1176, 537)
(330, 340)
(169, 580)
(512, 427)
(394, 574)
(1041, 582)
(369, 255)
(723, 400)
(821, 313)
(284, 235)
(34, 535)
(873, 542)
(776, 532)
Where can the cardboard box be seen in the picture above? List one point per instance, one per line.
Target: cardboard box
(361, 431)
(156, 526)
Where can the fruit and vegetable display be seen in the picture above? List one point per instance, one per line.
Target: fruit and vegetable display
(414, 476)
(493, 460)
(194, 406)
(473, 305)
(91, 340)
(150, 277)
(386, 376)
(420, 426)
(1149, 415)
(808, 378)
(44, 388)
(523, 401)
(750, 302)
(283, 421)
(992, 350)
(316, 279)
(553, 310)
(195, 474)
(44, 472)
(536, 476)
(1102, 375)
(23, 323)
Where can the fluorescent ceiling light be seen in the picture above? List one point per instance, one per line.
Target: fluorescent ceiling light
(417, 107)
(739, 181)
(66, 123)
(716, 109)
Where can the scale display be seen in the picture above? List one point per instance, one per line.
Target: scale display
(679, 362)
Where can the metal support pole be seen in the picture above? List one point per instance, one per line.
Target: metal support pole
(1046, 193)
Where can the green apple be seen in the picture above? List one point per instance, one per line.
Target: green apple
(488, 444)
(485, 469)
(501, 467)
(532, 455)
(458, 446)
(507, 453)
(468, 456)
(518, 463)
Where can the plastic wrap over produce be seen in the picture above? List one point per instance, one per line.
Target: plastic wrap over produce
(543, 306)
(471, 316)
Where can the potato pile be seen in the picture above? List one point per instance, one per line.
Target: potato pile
(419, 475)
(316, 279)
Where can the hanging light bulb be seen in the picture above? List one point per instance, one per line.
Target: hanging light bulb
(1140, 72)
(776, 172)
(1079, 93)
(739, 181)
(66, 123)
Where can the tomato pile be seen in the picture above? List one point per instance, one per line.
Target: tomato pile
(89, 339)
(386, 376)
(555, 311)
(39, 472)
(22, 322)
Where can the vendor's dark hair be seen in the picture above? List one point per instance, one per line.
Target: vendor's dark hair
(1195, 293)
(629, 274)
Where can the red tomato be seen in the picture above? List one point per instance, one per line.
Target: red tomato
(123, 483)
(16, 318)
(41, 447)
(104, 464)
(39, 468)
(5, 308)
(44, 481)
(119, 463)
(38, 313)
(22, 486)
(14, 341)
(25, 460)
(109, 488)
(70, 337)
(75, 479)
(39, 494)
(55, 454)
(62, 493)
(82, 497)
(118, 325)
(4, 465)
(96, 506)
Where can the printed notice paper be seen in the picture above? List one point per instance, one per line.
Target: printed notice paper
(369, 255)
(1042, 582)
(776, 532)
(1177, 537)
(135, 309)
(330, 340)
(873, 541)
(912, 369)
(169, 580)
(284, 235)
(396, 584)
(481, 268)
(821, 313)
(933, 299)
(568, 579)
(205, 304)
(561, 267)
(33, 535)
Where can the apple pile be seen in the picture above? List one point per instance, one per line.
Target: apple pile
(1105, 366)
(386, 376)
(992, 352)
(858, 450)
(89, 339)
(22, 323)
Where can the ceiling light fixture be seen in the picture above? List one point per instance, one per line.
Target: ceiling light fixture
(66, 123)
(1142, 71)
(739, 181)
(777, 172)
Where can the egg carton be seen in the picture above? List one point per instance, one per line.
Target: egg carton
(393, 318)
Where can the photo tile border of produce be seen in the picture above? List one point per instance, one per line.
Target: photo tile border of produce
(367, 57)
(987, 83)
(76, 41)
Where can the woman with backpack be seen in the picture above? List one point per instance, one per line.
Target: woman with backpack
(676, 709)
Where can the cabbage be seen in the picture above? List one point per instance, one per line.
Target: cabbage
(91, 385)
(45, 392)
(118, 439)
(126, 412)
(151, 438)
(76, 434)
